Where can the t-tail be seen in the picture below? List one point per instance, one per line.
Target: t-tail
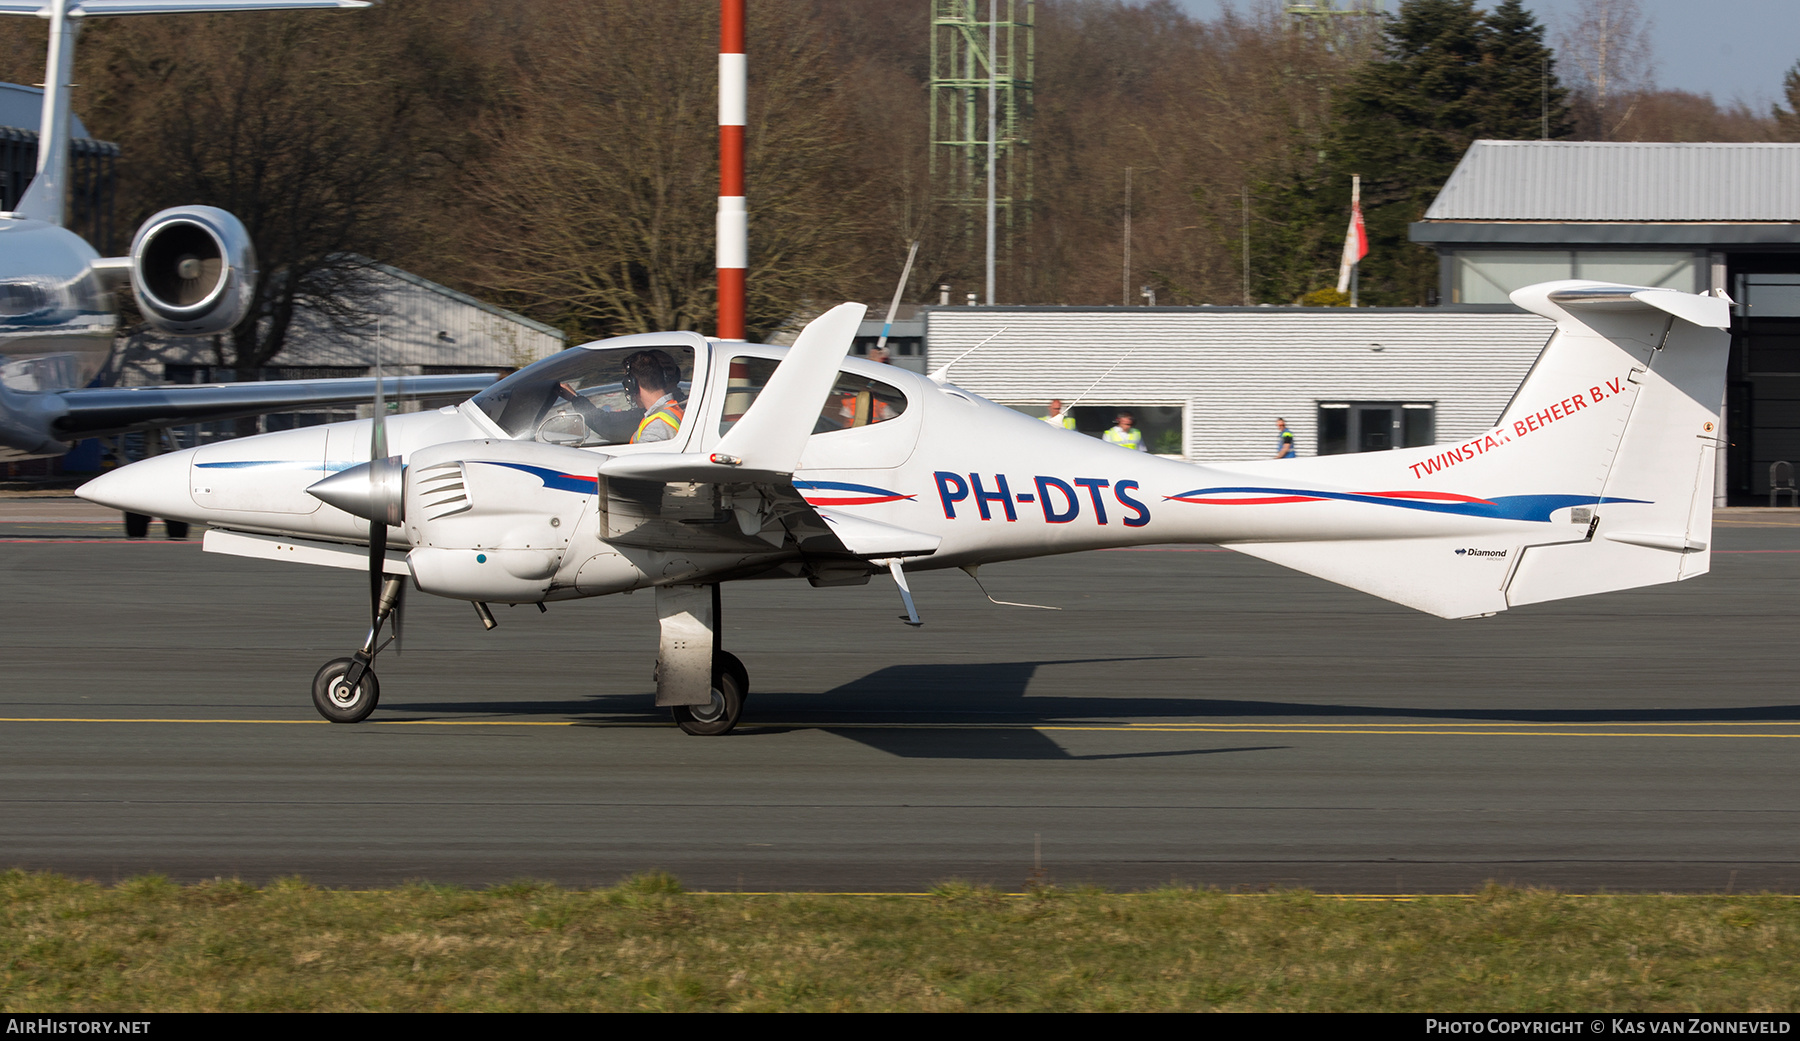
(47, 194)
(1599, 475)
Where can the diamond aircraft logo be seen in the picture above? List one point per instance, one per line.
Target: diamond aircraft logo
(1481, 552)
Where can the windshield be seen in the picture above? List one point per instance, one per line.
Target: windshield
(595, 396)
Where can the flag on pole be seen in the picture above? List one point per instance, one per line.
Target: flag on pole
(1356, 240)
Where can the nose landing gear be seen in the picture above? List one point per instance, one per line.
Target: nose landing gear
(345, 689)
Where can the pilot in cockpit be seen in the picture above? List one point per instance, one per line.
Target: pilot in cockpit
(653, 381)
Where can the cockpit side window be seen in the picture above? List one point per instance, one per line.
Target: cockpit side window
(854, 401)
(595, 396)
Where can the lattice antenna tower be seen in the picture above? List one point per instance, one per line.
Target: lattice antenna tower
(960, 81)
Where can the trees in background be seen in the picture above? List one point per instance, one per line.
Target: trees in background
(1449, 74)
(1608, 47)
(562, 159)
(1787, 120)
(598, 193)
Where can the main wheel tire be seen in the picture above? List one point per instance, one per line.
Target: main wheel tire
(176, 529)
(137, 525)
(336, 701)
(720, 714)
(729, 662)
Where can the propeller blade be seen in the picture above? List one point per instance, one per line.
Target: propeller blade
(377, 567)
(378, 524)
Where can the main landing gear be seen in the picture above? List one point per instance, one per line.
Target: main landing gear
(345, 690)
(702, 685)
(730, 686)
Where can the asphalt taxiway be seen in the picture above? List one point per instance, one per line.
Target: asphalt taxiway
(1190, 715)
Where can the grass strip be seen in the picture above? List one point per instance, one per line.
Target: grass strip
(150, 945)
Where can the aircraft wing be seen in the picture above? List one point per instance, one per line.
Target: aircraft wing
(90, 8)
(763, 449)
(94, 411)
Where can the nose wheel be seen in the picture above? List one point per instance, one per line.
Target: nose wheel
(341, 697)
(730, 688)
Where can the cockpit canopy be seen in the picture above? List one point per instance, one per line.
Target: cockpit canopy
(585, 396)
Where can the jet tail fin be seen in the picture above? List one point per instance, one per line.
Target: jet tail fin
(1608, 448)
(46, 196)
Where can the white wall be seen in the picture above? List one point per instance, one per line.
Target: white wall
(1237, 370)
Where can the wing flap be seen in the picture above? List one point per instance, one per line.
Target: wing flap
(873, 539)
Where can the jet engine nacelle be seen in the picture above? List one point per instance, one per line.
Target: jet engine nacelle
(193, 270)
(492, 520)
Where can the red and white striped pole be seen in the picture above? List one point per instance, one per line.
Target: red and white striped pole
(734, 232)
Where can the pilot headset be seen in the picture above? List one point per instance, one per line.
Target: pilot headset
(663, 364)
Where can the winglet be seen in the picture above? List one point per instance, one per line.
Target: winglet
(774, 430)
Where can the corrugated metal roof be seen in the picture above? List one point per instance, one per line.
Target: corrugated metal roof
(1599, 181)
(1236, 371)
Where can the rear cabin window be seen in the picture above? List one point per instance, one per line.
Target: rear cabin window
(854, 401)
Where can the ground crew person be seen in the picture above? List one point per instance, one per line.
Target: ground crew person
(652, 380)
(1284, 441)
(1058, 418)
(1123, 435)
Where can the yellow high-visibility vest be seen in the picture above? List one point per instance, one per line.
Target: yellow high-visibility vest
(669, 412)
(1132, 439)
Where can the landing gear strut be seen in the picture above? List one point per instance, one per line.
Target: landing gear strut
(702, 685)
(345, 689)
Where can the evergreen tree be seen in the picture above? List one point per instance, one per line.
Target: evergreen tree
(1787, 120)
(1525, 99)
(1404, 123)
(1449, 74)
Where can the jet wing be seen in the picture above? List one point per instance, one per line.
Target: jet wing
(94, 411)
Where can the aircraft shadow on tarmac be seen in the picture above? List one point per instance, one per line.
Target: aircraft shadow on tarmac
(984, 711)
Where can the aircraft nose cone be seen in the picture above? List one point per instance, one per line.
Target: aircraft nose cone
(157, 486)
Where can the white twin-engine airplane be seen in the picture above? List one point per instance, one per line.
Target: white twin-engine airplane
(674, 462)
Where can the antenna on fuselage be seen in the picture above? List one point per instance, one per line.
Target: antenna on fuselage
(943, 373)
(1070, 407)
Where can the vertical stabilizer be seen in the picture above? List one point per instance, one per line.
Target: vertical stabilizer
(47, 196)
(1598, 476)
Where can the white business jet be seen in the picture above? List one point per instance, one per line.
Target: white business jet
(191, 268)
(674, 462)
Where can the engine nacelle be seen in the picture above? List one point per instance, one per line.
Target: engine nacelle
(193, 270)
(492, 519)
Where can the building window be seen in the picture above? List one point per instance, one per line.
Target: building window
(1375, 426)
(1768, 296)
(1490, 276)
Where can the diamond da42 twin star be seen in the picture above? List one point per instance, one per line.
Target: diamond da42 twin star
(673, 462)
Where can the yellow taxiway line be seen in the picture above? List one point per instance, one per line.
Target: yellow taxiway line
(1747, 729)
